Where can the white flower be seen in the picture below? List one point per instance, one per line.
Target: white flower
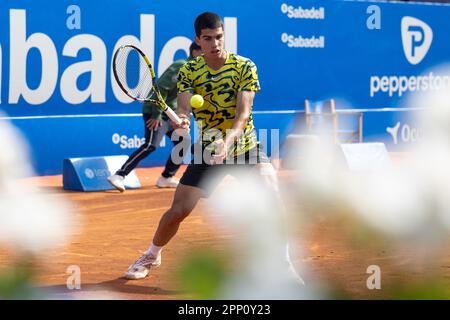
(30, 220)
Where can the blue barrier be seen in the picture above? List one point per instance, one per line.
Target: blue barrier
(90, 174)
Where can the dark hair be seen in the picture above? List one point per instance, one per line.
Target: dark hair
(192, 47)
(207, 20)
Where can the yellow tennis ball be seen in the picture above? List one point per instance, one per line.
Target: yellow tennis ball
(196, 101)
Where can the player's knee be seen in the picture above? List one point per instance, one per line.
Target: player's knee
(178, 213)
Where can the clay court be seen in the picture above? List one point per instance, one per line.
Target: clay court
(116, 228)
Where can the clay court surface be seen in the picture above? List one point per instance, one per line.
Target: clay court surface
(117, 227)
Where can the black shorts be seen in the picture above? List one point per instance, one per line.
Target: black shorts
(207, 177)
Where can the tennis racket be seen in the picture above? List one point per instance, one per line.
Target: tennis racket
(135, 76)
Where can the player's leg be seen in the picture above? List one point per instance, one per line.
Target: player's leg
(186, 197)
(189, 191)
(194, 184)
(173, 163)
(152, 140)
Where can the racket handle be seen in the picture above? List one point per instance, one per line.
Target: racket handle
(172, 115)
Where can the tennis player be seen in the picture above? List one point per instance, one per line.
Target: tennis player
(156, 126)
(228, 83)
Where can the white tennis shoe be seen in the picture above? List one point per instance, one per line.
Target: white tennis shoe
(141, 268)
(163, 182)
(117, 181)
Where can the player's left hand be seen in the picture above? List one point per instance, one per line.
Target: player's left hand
(220, 152)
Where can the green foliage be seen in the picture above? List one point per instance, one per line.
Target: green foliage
(202, 275)
(15, 282)
(431, 289)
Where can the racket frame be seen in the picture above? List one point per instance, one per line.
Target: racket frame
(159, 101)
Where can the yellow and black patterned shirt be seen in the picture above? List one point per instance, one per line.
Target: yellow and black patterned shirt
(219, 89)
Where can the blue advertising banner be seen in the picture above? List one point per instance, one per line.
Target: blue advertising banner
(55, 61)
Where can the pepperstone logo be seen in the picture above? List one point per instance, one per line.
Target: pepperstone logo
(416, 38)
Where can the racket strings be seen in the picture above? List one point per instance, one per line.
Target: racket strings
(127, 67)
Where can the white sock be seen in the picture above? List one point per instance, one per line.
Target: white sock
(154, 250)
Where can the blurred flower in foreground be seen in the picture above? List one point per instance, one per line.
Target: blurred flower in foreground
(31, 222)
(258, 254)
(404, 207)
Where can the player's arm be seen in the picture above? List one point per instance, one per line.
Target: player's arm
(183, 104)
(185, 89)
(244, 105)
(184, 109)
(248, 86)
